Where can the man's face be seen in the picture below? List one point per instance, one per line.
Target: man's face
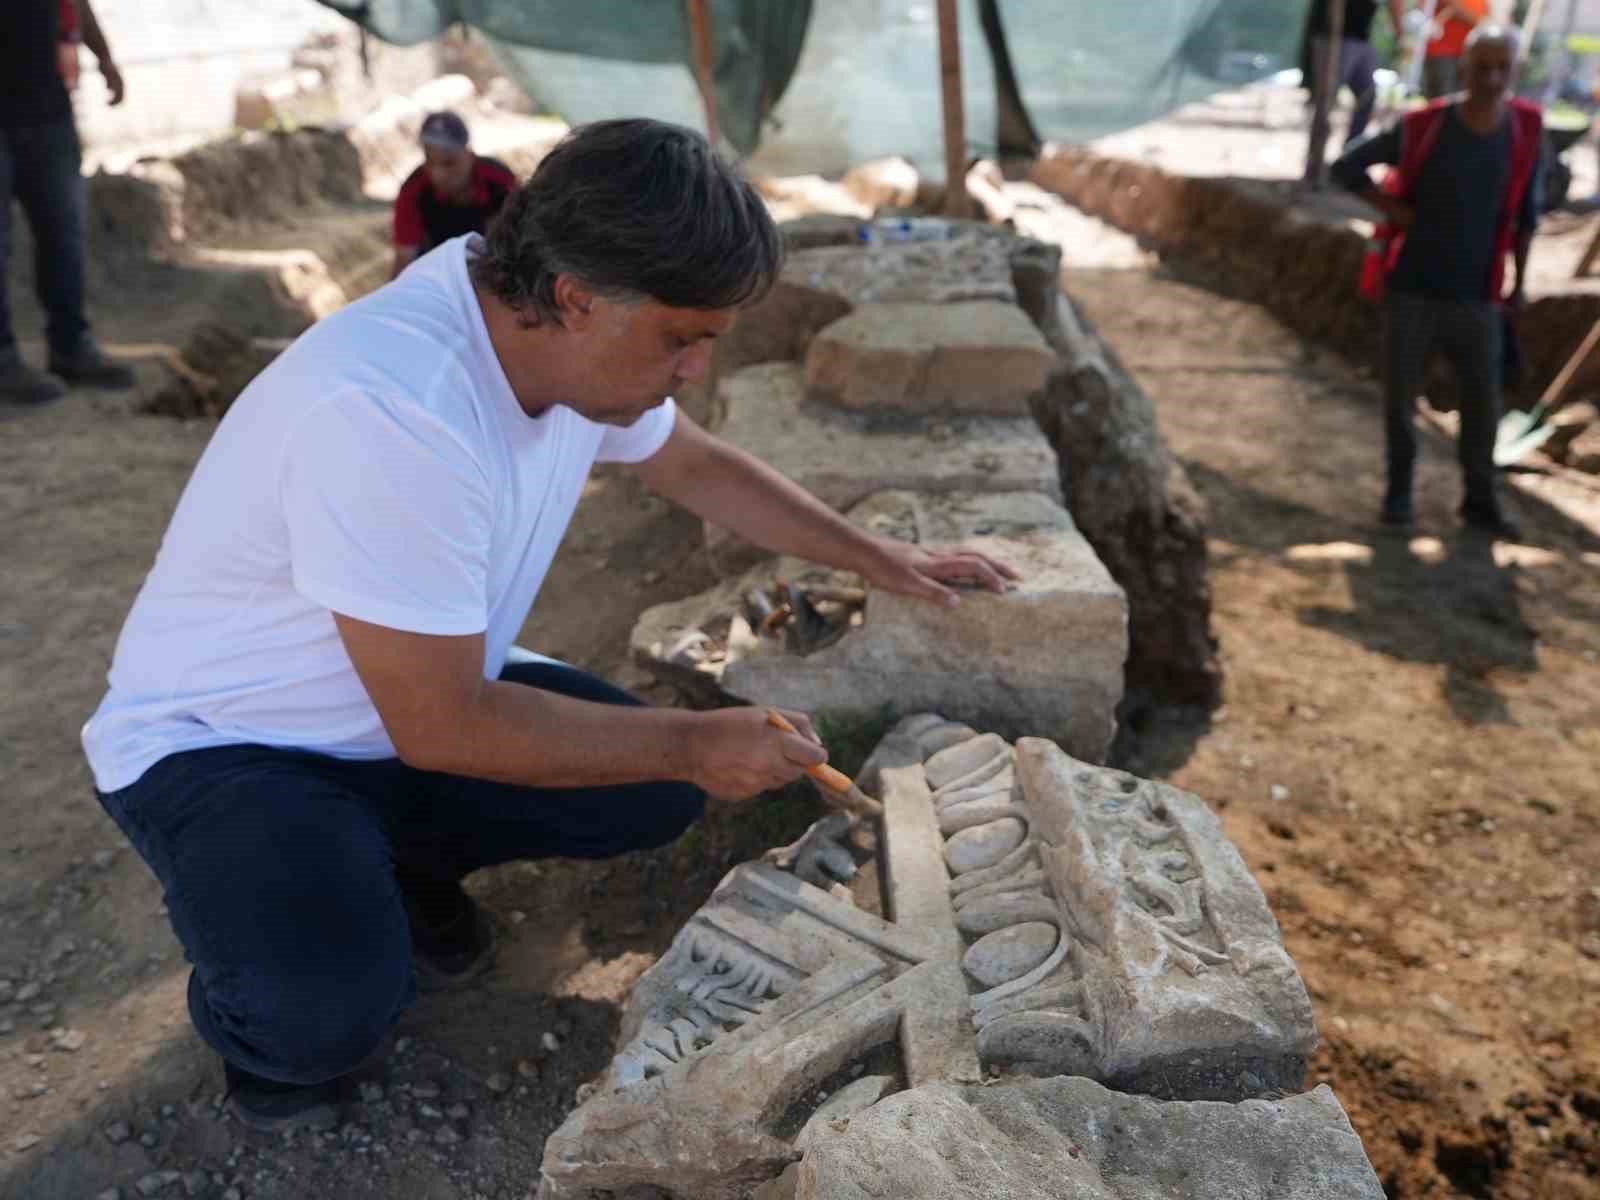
(450, 171)
(1487, 69)
(635, 355)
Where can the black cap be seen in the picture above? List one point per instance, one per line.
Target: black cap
(445, 130)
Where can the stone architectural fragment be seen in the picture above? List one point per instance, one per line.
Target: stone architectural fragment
(1044, 659)
(844, 457)
(980, 356)
(1123, 942)
(1072, 1139)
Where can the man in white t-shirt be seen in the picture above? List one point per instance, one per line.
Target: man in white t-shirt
(312, 733)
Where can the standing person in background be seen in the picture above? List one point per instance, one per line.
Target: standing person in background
(41, 165)
(453, 192)
(1466, 197)
(1453, 21)
(1357, 59)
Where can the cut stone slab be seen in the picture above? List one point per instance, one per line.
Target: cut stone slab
(980, 356)
(1071, 1139)
(981, 661)
(775, 986)
(844, 457)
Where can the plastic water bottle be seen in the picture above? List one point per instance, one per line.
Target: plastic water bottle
(903, 229)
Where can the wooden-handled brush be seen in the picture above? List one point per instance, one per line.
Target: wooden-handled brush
(837, 788)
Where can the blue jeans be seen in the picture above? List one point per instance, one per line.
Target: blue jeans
(41, 165)
(280, 874)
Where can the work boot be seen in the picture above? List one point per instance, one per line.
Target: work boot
(1486, 517)
(24, 387)
(91, 366)
(452, 940)
(268, 1106)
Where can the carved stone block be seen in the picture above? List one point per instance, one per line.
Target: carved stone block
(1106, 930)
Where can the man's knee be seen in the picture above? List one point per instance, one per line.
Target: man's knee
(302, 1026)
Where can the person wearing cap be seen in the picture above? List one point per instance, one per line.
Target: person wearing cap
(453, 192)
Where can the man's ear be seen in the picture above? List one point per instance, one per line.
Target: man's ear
(574, 302)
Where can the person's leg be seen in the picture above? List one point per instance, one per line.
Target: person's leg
(1357, 67)
(1471, 337)
(19, 383)
(1408, 336)
(280, 886)
(49, 185)
(457, 825)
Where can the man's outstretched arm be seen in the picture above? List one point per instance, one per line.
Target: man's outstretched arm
(731, 488)
(95, 39)
(443, 715)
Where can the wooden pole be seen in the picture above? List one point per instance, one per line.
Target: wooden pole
(705, 58)
(956, 201)
(1327, 71)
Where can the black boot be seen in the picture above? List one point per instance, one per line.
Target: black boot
(452, 941)
(1485, 516)
(24, 387)
(90, 366)
(1397, 510)
(268, 1106)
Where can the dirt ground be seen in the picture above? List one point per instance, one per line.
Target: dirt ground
(1403, 759)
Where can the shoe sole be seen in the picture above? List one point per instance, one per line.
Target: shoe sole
(320, 1117)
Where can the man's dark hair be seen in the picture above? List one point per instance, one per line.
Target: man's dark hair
(633, 208)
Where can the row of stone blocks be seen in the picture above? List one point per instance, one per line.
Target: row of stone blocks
(894, 383)
(1069, 986)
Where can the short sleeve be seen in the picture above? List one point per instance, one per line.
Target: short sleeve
(389, 516)
(639, 441)
(408, 227)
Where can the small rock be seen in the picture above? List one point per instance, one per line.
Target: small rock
(26, 1141)
(194, 1182)
(550, 1041)
(446, 1136)
(1589, 945)
(69, 1041)
(1487, 825)
(168, 1112)
(148, 1139)
(429, 1111)
(652, 577)
(1279, 793)
(401, 1045)
(233, 1193)
(498, 1084)
(104, 858)
(527, 1069)
(516, 916)
(27, 992)
(457, 1112)
(425, 1090)
(156, 1181)
(371, 1093)
(7, 1025)
(110, 1193)
(117, 1132)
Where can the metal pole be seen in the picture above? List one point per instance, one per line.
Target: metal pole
(956, 202)
(704, 62)
(1530, 30)
(1316, 176)
(1563, 69)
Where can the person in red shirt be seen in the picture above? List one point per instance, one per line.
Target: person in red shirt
(453, 192)
(1453, 20)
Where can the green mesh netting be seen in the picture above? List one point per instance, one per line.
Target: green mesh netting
(819, 84)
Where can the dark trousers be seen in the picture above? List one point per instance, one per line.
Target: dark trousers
(280, 875)
(41, 166)
(1357, 63)
(1468, 334)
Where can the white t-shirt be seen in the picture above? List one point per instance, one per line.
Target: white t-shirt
(380, 467)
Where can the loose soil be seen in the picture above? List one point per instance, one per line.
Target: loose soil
(1403, 759)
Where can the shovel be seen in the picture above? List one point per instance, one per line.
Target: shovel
(1520, 433)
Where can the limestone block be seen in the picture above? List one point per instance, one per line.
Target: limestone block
(1043, 659)
(979, 356)
(820, 284)
(1071, 1139)
(883, 183)
(844, 457)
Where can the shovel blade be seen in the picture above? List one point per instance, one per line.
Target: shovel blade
(1523, 440)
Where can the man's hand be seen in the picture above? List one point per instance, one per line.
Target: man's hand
(113, 78)
(922, 571)
(734, 753)
(1395, 210)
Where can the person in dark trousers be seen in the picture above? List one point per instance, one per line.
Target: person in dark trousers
(1358, 60)
(1465, 197)
(453, 192)
(40, 165)
(318, 721)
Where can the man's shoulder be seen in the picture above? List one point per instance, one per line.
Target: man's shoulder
(492, 170)
(1526, 113)
(416, 183)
